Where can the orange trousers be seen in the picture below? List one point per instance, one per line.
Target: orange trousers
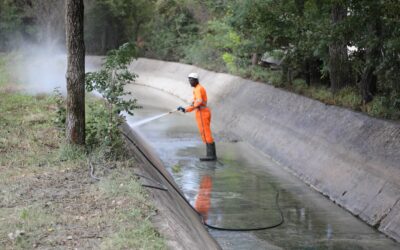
(203, 200)
(203, 118)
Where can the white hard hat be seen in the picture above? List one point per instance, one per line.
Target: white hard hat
(194, 75)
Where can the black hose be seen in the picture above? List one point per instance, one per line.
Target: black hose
(154, 187)
(201, 216)
(282, 220)
(159, 187)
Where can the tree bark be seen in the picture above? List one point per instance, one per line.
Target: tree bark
(300, 6)
(254, 59)
(369, 79)
(339, 69)
(286, 74)
(75, 127)
(309, 70)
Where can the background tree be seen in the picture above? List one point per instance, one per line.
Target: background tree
(75, 131)
(309, 39)
(10, 23)
(173, 27)
(111, 23)
(338, 59)
(49, 20)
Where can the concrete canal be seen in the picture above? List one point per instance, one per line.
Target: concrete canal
(240, 190)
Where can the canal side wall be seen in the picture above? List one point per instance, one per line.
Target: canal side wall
(347, 156)
(180, 225)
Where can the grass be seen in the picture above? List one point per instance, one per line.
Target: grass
(139, 233)
(47, 197)
(4, 75)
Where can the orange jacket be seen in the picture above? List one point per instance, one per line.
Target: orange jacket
(199, 98)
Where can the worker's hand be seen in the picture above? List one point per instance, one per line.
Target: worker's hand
(180, 108)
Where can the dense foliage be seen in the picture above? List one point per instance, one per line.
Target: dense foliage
(333, 50)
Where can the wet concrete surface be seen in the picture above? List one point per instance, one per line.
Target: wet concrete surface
(239, 191)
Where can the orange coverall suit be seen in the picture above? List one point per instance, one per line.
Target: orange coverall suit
(203, 113)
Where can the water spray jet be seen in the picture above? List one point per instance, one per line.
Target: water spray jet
(150, 119)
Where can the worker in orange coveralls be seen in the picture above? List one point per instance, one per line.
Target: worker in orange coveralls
(203, 200)
(203, 116)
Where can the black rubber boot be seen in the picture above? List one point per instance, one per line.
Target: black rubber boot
(211, 153)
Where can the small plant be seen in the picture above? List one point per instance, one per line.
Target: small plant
(176, 168)
(4, 74)
(110, 82)
(299, 86)
(102, 130)
(229, 60)
(61, 111)
(69, 152)
(24, 214)
(378, 107)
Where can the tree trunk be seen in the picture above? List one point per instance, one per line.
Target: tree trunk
(339, 69)
(75, 131)
(300, 6)
(306, 70)
(254, 59)
(315, 72)
(368, 79)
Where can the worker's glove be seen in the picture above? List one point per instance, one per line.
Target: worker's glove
(180, 108)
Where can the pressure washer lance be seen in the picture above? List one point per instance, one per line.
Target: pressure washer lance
(147, 120)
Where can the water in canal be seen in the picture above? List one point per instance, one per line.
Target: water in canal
(239, 191)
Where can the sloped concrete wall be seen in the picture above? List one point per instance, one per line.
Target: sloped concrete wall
(351, 158)
(181, 225)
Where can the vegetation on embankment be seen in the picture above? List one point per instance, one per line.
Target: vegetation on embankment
(48, 198)
(340, 52)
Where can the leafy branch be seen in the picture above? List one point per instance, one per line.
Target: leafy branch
(110, 82)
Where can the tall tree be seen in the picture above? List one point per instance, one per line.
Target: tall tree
(368, 79)
(338, 59)
(75, 72)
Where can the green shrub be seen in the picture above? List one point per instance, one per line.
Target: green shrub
(275, 78)
(377, 107)
(348, 97)
(61, 111)
(102, 131)
(260, 74)
(69, 152)
(229, 61)
(300, 86)
(104, 120)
